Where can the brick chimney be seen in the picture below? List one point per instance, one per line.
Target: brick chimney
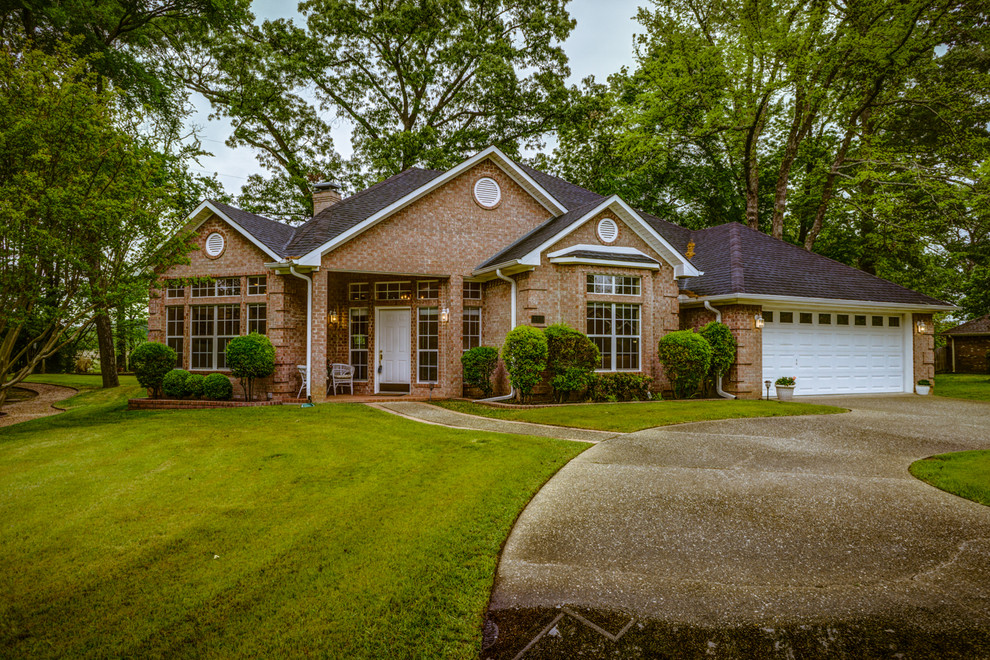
(325, 194)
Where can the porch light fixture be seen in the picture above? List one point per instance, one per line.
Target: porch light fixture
(922, 328)
(332, 317)
(444, 315)
(759, 321)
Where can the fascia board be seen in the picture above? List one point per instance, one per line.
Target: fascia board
(604, 262)
(817, 303)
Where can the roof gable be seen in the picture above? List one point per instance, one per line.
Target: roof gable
(270, 236)
(980, 326)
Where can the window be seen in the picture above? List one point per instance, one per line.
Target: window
(175, 330)
(805, 317)
(472, 327)
(428, 356)
(824, 319)
(393, 290)
(768, 317)
(614, 284)
(429, 290)
(787, 317)
(358, 319)
(258, 318)
(860, 320)
(614, 328)
(877, 321)
(175, 290)
(472, 291)
(257, 285)
(358, 292)
(842, 319)
(894, 321)
(224, 286)
(213, 326)
(203, 289)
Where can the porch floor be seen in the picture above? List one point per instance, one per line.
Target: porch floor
(362, 398)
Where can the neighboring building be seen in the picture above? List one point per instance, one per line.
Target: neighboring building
(969, 346)
(399, 279)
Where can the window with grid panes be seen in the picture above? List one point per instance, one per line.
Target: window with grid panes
(429, 290)
(393, 290)
(358, 292)
(213, 326)
(229, 286)
(615, 329)
(428, 354)
(472, 327)
(613, 284)
(257, 318)
(175, 331)
(257, 285)
(174, 289)
(471, 291)
(358, 319)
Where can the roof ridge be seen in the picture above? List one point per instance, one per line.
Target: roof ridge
(737, 276)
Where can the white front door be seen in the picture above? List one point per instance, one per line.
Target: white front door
(392, 344)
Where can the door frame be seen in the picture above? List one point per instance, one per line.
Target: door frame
(378, 326)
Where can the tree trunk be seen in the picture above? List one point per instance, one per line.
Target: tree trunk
(121, 362)
(104, 337)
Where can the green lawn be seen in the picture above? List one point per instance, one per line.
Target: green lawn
(963, 386)
(628, 417)
(335, 531)
(964, 473)
(82, 382)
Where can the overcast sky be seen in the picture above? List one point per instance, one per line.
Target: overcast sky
(600, 44)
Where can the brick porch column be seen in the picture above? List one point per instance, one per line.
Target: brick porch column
(318, 380)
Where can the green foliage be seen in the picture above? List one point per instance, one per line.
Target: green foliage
(723, 344)
(151, 361)
(217, 387)
(571, 360)
(249, 357)
(786, 381)
(686, 358)
(525, 357)
(620, 387)
(479, 365)
(194, 386)
(962, 473)
(174, 383)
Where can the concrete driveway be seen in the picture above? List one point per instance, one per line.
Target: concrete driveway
(800, 536)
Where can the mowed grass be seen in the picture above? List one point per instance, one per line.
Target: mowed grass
(963, 386)
(337, 531)
(965, 473)
(628, 417)
(83, 382)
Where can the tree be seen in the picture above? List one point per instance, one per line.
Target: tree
(525, 357)
(249, 357)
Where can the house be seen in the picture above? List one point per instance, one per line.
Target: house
(399, 279)
(969, 346)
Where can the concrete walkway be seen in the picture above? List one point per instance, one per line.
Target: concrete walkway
(39, 406)
(797, 536)
(430, 414)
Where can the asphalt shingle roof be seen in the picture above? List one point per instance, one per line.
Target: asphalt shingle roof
(610, 256)
(980, 326)
(272, 233)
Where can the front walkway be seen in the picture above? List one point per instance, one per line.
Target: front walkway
(39, 406)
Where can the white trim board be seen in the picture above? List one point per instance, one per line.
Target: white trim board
(816, 303)
(195, 222)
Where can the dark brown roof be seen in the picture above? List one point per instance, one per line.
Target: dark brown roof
(609, 256)
(980, 326)
(272, 233)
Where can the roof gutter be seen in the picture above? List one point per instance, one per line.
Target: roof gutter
(718, 377)
(798, 301)
(512, 323)
(309, 329)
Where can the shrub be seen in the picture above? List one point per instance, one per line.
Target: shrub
(525, 357)
(620, 387)
(479, 364)
(786, 381)
(249, 357)
(174, 383)
(151, 361)
(217, 387)
(194, 386)
(723, 344)
(571, 358)
(686, 358)
(83, 364)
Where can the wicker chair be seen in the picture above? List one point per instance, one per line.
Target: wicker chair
(341, 375)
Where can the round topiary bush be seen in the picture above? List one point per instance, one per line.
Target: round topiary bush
(150, 362)
(571, 358)
(525, 357)
(217, 387)
(479, 364)
(723, 344)
(174, 383)
(686, 358)
(194, 386)
(249, 357)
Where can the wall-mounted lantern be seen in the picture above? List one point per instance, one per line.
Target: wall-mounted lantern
(332, 317)
(444, 315)
(922, 328)
(759, 321)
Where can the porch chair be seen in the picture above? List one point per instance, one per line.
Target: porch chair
(302, 385)
(341, 375)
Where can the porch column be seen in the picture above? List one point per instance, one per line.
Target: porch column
(319, 339)
(452, 340)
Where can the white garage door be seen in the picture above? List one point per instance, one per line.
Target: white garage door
(834, 353)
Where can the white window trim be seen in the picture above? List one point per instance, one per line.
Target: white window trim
(215, 336)
(367, 337)
(614, 285)
(613, 336)
(480, 334)
(248, 283)
(419, 282)
(400, 299)
(350, 288)
(215, 286)
(250, 320)
(182, 337)
(481, 290)
(419, 313)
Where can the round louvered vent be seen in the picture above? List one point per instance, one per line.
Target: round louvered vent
(487, 192)
(214, 244)
(608, 231)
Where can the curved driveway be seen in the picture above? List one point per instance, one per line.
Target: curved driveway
(801, 535)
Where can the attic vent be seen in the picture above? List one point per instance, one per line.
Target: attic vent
(214, 244)
(487, 192)
(608, 231)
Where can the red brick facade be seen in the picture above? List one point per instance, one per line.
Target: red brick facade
(969, 354)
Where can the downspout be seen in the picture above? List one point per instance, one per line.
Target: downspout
(512, 323)
(718, 381)
(309, 330)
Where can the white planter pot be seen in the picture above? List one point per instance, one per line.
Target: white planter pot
(923, 390)
(785, 392)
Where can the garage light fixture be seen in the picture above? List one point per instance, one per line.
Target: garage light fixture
(759, 321)
(922, 328)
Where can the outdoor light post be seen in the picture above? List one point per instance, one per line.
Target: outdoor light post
(767, 383)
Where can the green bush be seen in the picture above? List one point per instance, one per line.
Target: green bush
(194, 386)
(686, 358)
(479, 364)
(571, 358)
(620, 387)
(525, 357)
(174, 383)
(151, 361)
(217, 387)
(249, 357)
(723, 344)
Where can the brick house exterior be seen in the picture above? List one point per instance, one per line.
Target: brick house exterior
(969, 346)
(400, 278)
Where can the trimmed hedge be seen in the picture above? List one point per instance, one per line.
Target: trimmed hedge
(571, 358)
(479, 364)
(194, 385)
(174, 383)
(525, 357)
(250, 357)
(217, 387)
(686, 358)
(723, 344)
(620, 387)
(150, 362)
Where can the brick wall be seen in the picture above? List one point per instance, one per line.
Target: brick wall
(970, 354)
(924, 348)
(745, 377)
